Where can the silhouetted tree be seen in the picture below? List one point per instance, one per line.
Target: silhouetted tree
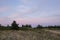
(39, 26)
(30, 26)
(50, 26)
(23, 25)
(27, 26)
(8, 26)
(0, 25)
(14, 25)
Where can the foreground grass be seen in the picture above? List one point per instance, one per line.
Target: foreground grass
(36, 34)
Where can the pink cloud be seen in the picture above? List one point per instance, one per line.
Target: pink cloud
(4, 9)
(5, 21)
(42, 21)
(37, 20)
(22, 9)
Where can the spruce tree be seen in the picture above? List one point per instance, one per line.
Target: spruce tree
(14, 25)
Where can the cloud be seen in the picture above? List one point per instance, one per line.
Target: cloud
(26, 1)
(36, 20)
(30, 12)
(5, 21)
(4, 8)
(22, 11)
(13, 15)
(42, 21)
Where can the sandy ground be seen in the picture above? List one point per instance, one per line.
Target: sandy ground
(53, 31)
(29, 35)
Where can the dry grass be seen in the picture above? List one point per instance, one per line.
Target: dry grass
(28, 35)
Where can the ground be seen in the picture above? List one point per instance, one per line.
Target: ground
(42, 34)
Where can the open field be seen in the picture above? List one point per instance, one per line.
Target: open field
(29, 35)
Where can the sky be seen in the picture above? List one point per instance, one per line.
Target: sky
(34, 12)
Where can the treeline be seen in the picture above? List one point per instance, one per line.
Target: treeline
(14, 26)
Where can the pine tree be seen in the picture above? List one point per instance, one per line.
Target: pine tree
(14, 25)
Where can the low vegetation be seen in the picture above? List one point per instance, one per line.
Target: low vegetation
(26, 32)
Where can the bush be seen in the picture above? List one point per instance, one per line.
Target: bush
(14, 25)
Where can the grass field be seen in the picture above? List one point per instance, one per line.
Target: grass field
(35, 34)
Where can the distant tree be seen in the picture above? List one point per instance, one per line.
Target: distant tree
(50, 26)
(23, 25)
(27, 26)
(14, 25)
(0, 25)
(39, 26)
(30, 26)
(8, 26)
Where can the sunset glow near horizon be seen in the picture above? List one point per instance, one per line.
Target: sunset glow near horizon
(43, 12)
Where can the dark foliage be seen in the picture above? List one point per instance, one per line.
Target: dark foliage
(14, 25)
(0, 25)
(54, 26)
(39, 26)
(26, 26)
(23, 26)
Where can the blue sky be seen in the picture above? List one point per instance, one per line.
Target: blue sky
(44, 12)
